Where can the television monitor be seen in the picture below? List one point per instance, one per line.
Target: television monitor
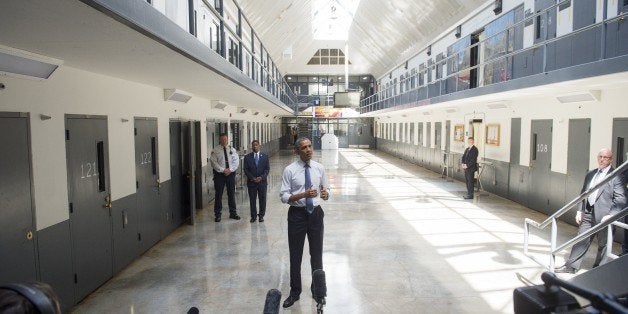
(346, 99)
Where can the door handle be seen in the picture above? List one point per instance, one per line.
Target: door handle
(107, 201)
(158, 186)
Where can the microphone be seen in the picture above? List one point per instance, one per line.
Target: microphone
(273, 298)
(319, 289)
(193, 310)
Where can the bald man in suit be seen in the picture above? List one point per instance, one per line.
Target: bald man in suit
(606, 201)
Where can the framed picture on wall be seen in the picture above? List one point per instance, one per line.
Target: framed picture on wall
(492, 134)
(459, 133)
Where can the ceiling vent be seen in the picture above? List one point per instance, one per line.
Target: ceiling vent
(242, 110)
(592, 95)
(176, 95)
(24, 64)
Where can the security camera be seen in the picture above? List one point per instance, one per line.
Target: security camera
(2, 86)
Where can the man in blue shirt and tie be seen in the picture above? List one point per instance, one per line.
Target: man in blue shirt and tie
(303, 186)
(256, 168)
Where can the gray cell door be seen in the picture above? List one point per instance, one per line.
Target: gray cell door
(620, 140)
(578, 152)
(421, 143)
(17, 227)
(447, 135)
(540, 165)
(545, 23)
(212, 141)
(90, 202)
(178, 179)
(188, 132)
(427, 152)
(438, 132)
(150, 217)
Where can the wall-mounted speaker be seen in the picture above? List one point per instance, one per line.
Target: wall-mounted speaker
(458, 32)
(429, 50)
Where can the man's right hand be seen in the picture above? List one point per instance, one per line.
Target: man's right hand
(578, 217)
(227, 171)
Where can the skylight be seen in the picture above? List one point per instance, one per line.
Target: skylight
(331, 19)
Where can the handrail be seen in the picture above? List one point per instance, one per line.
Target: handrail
(553, 221)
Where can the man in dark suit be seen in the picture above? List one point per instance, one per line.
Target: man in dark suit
(256, 168)
(470, 166)
(599, 206)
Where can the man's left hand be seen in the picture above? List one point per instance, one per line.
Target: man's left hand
(324, 195)
(605, 218)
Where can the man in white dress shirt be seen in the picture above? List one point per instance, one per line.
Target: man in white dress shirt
(300, 186)
(225, 162)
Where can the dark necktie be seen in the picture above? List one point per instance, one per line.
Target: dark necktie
(309, 202)
(256, 159)
(224, 149)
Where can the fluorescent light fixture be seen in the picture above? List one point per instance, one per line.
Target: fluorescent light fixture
(427, 113)
(255, 113)
(242, 110)
(23, 64)
(591, 95)
(497, 105)
(176, 95)
(451, 109)
(219, 104)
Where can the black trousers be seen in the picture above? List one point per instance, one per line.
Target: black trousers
(468, 178)
(580, 249)
(254, 192)
(220, 181)
(300, 224)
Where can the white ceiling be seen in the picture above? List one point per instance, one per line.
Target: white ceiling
(383, 35)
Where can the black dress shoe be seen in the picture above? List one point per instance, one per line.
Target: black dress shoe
(234, 216)
(565, 270)
(217, 219)
(252, 220)
(261, 219)
(468, 197)
(290, 300)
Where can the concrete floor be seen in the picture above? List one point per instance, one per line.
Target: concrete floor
(398, 238)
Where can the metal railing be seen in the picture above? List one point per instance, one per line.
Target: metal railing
(389, 97)
(552, 220)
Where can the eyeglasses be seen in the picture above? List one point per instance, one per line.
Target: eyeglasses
(605, 157)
